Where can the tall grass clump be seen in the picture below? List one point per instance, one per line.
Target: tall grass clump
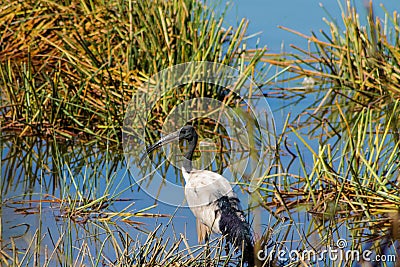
(67, 73)
(352, 69)
(354, 116)
(348, 137)
(69, 69)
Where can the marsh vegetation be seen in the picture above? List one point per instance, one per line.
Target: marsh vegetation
(67, 73)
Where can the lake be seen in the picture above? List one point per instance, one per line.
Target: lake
(61, 202)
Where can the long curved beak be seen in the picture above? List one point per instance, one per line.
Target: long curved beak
(163, 141)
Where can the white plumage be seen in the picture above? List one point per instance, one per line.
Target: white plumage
(211, 198)
(202, 190)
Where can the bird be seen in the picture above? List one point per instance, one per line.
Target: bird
(211, 198)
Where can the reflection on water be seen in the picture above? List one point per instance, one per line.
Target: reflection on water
(57, 197)
(70, 204)
(61, 202)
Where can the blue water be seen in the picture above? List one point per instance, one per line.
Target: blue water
(264, 17)
(303, 16)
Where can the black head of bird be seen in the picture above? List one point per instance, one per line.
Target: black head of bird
(187, 133)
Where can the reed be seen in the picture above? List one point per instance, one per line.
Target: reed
(68, 70)
(351, 69)
(348, 137)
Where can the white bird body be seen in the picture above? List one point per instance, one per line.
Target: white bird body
(202, 190)
(211, 198)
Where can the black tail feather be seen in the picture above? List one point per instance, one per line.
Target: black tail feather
(236, 229)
